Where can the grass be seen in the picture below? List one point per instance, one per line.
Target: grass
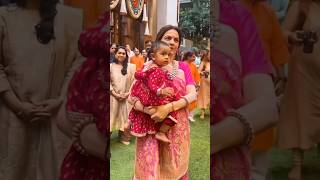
(281, 161)
(122, 156)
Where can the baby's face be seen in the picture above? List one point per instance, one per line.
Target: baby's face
(162, 56)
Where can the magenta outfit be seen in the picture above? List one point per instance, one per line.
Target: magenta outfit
(235, 163)
(156, 160)
(145, 89)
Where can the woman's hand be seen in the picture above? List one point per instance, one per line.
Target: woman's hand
(294, 39)
(124, 96)
(167, 91)
(149, 110)
(161, 112)
(118, 96)
(30, 112)
(50, 106)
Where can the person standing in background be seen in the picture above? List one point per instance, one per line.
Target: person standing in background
(204, 90)
(129, 51)
(112, 50)
(34, 79)
(137, 59)
(121, 79)
(189, 58)
(299, 124)
(147, 45)
(145, 55)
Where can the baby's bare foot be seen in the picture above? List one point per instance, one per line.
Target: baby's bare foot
(162, 137)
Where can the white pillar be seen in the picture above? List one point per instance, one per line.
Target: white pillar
(167, 13)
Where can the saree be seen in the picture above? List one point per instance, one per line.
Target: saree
(232, 62)
(155, 160)
(87, 96)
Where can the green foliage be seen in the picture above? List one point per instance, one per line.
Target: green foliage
(195, 22)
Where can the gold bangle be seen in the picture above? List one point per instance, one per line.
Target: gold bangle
(172, 106)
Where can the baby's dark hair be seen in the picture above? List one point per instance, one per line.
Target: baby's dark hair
(156, 45)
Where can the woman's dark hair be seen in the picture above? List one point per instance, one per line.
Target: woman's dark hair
(45, 28)
(147, 41)
(155, 47)
(166, 28)
(188, 54)
(124, 70)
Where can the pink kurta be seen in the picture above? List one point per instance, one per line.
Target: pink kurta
(156, 160)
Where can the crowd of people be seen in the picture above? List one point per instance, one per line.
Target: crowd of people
(264, 57)
(265, 65)
(197, 61)
(153, 97)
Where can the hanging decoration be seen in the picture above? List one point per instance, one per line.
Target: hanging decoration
(145, 16)
(135, 7)
(147, 32)
(123, 8)
(113, 4)
(111, 19)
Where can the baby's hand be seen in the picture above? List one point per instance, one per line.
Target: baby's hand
(167, 91)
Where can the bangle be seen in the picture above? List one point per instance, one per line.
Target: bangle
(172, 107)
(134, 104)
(77, 132)
(185, 100)
(248, 130)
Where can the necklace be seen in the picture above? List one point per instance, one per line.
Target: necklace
(174, 71)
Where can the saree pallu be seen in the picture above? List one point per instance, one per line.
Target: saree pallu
(163, 161)
(233, 163)
(156, 160)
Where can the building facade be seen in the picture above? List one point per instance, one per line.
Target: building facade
(135, 21)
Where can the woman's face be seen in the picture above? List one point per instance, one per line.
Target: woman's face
(192, 57)
(171, 37)
(144, 53)
(121, 55)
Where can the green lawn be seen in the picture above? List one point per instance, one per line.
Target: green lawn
(281, 162)
(122, 156)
